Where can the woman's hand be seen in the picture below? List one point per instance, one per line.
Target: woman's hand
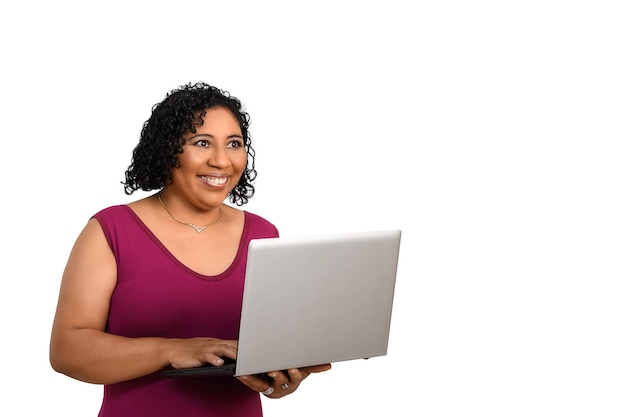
(277, 384)
(199, 351)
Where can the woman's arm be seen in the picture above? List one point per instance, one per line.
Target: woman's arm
(79, 345)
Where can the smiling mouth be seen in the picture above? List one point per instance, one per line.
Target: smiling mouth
(216, 181)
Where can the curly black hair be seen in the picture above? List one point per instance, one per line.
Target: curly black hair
(161, 140)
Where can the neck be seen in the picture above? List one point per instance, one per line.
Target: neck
(197, 228)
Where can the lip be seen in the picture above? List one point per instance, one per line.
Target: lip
(214, 180)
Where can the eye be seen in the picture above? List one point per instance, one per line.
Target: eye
(203, 143)
(235, 143)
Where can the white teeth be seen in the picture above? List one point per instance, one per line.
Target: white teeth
(215, 180)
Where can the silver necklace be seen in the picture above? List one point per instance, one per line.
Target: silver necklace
(193, 226)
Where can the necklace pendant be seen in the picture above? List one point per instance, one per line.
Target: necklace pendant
(196, 228)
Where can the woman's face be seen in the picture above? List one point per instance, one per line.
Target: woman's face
(212, 161)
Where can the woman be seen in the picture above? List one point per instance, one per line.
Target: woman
(158, 282)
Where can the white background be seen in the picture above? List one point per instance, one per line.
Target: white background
(491, 132)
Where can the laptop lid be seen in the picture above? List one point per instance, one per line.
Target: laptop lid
(312, 300)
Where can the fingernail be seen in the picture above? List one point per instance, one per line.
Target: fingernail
(292, 371)
(272, 374)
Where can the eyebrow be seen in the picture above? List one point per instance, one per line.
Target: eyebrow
(235, 135)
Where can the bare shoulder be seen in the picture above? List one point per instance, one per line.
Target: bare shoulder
(91, 247)
(146, 203)
(147, 209)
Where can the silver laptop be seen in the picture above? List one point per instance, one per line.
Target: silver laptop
(313, 300)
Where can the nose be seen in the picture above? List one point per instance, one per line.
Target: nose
(219, 158)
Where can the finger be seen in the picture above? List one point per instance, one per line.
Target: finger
(280, 378)
(254, 382)
(296, 375)
(215, 360)
(230, 346)
(225, 350)
(318, 368)
(268, 391)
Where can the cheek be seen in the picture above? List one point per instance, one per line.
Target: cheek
(186, 165)
(190, 161)
(241, 162)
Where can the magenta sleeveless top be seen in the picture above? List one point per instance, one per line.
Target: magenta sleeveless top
(156, 295)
